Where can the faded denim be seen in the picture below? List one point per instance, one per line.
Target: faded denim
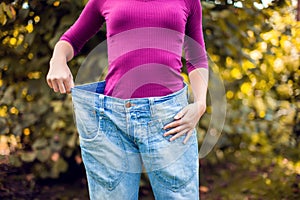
(118, 135)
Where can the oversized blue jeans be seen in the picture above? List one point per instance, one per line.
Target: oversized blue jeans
(119, 138)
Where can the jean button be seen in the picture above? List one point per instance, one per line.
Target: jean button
(128, 105)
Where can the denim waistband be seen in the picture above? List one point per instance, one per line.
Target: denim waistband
(92, 94)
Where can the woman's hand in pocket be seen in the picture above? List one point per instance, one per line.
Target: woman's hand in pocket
(185, 121)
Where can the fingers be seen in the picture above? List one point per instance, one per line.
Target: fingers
(179, 134)
(179, 129)
(62, 85)
(54, 86)
(174, 130)
(173, 124)
(49, 83)
(181, 113)
(186, 121)
(188, 135)
(188, 132)
(68, 84)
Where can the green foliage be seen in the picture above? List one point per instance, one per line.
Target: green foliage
(257, 54)
(39, 124)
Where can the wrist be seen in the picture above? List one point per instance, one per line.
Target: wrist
(200, 105)
(200, 100)
(58, 61)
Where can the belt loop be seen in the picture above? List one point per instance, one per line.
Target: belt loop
(187, 94)
(151, 101)
(187, 91)
(151, 105)
(101, 103)
(182, 95)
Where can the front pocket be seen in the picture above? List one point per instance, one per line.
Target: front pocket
(104, 157)
(157, 133)
(166, 121)
(87, 120)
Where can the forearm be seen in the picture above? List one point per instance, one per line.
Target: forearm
(199, 82)
(59, 77)
(63, 51)
(189, 116)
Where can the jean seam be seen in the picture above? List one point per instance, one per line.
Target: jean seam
(165, 183)
(170, 186)
(124, 163)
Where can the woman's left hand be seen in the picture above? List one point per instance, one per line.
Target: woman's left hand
(185, 121)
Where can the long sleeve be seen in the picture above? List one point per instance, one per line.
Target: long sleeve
(131, 16)
(88, 24)
(194, 46)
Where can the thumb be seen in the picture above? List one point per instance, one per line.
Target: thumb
(71, 80)
(72, 83)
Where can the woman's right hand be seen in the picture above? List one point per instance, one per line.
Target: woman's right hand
(59, 76)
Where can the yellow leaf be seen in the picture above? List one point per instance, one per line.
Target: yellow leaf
(3, 111)
(256, 55)
(56, 3)
(236, 73)
(229, 94)
(29, 28)
(13, 41)
(260, 106)
(36, 19)
(278, 65)
(248, 65)
(246, 88)
(268, 181)
(14, 111)
(26, 131)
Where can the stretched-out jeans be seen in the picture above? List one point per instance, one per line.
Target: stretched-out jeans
(120, 138)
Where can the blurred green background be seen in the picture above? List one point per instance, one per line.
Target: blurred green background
(255, 47)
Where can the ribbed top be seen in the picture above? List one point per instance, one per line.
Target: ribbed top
(145, 39)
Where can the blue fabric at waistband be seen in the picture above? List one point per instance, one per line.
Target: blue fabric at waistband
(92, 93)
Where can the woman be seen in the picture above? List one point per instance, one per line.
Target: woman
(140, 113)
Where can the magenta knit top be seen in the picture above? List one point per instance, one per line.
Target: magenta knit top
(146, 40)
